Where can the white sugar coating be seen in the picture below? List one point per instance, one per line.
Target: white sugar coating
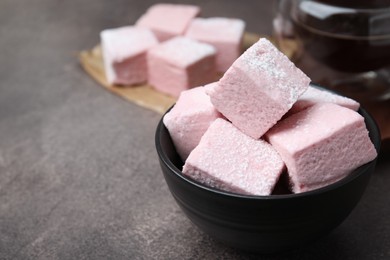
(321, 145)
(128, 41)
(183, 52)
(189, 119)
(258, 89)
(168, 20)
(314, 95)
(217, 29)
(228, 159)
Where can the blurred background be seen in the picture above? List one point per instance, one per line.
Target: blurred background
(79, 176)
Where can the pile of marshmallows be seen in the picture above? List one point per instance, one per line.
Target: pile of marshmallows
(171, 49)
(262, 119)
(259, 120)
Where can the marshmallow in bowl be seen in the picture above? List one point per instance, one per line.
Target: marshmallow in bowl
(189, 119)
(314, 96)
(180, 64)
(258, 89)
(229, 160)
(321, 145)
(124, 54)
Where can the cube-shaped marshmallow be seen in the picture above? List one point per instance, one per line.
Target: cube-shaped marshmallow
(179, 64)
(189, 119)
(229, 160)
(225, 34)
(315, 95)
(258, 89)
(168, 20)
(321, 145)
(124, 54)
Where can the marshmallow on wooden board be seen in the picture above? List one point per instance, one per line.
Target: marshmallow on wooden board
(180, 64)
(168, 20)
(225, 34)
(124, 52)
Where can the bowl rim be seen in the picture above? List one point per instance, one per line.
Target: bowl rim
(350, 177)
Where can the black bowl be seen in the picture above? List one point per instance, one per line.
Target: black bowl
(265, 224)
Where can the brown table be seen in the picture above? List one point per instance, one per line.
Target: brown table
(79, 176)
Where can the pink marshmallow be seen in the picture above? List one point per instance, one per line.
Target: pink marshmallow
(124, 54)
(180, 64)
(321, 145)
(314, 95)
(229, 160)
(168, 20)
(225, 34)
(189, 119)
(258, 89)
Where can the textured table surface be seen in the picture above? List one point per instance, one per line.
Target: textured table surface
(79, 176)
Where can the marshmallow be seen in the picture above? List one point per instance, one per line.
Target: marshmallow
(124, 54)
(225, 34)
(179, 64)
(258, 89)
(189, 119)
(168, 20)
(314, 95)
(229, 160)
(321, 145)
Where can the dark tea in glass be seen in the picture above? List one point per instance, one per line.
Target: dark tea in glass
(348, 41)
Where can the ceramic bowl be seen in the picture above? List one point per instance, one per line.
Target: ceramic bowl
(265, 224)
